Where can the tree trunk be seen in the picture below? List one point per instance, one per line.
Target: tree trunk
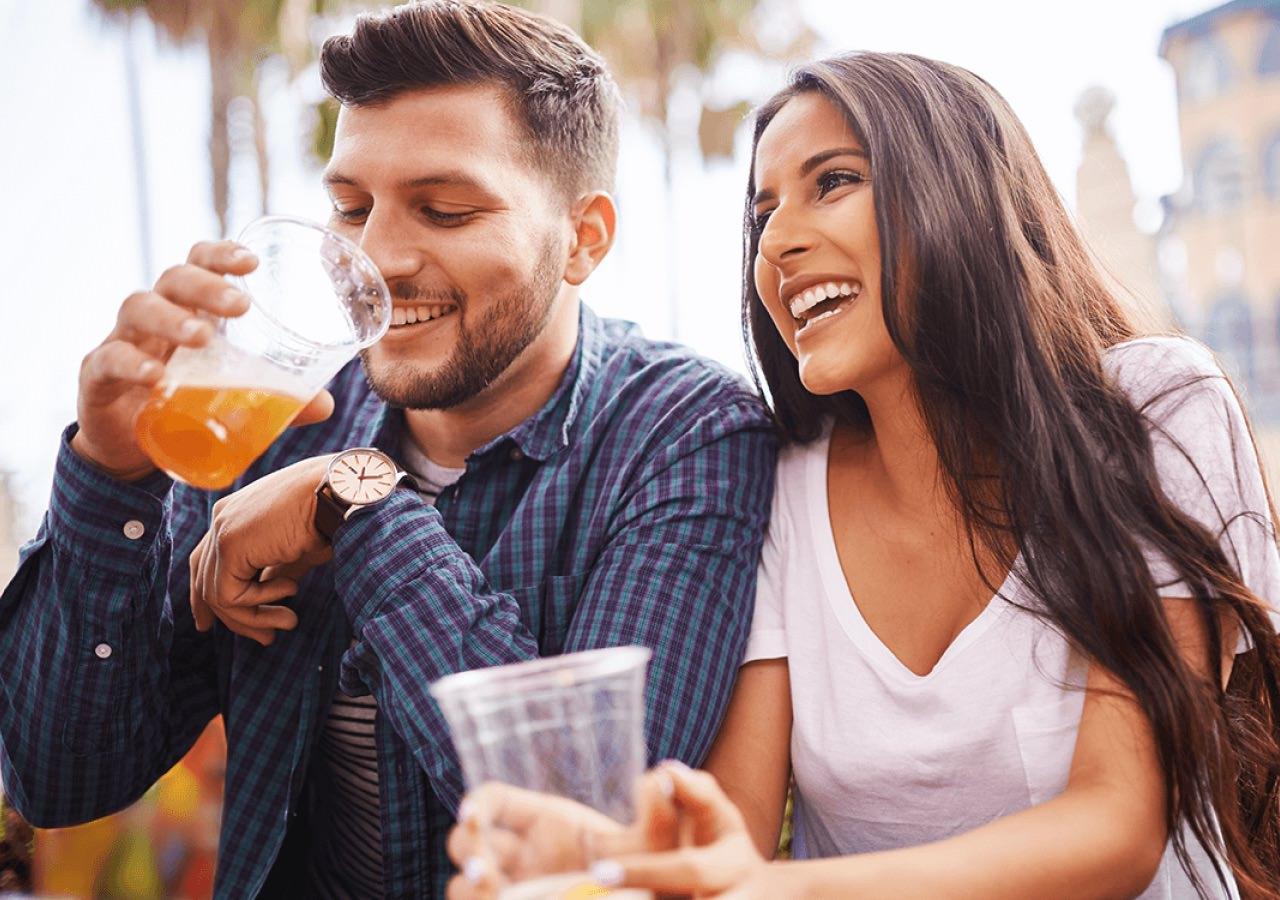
(142, 188)
(664, 68)
(224, 51)
(261, 151)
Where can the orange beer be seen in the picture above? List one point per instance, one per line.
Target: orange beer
(207, 436)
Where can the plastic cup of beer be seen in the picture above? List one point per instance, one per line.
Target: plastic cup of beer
(316, 300)
(570, 725)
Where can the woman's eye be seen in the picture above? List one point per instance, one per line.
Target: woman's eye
(759, 220)
(829, 181)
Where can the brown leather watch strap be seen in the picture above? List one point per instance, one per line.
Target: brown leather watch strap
(329, 513)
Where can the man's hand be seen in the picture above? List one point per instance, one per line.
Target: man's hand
(116, 377)
(262, 540)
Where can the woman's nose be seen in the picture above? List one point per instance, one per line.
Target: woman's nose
(784, 237)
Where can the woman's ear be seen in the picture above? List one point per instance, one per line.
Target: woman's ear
(595, 217)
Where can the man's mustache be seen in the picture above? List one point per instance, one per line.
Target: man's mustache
(408, 292)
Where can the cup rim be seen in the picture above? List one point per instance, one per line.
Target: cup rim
(346, 244)
(566, 670)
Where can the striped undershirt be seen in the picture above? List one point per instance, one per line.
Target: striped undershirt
(346, 858)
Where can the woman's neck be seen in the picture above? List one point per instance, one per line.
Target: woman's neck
(897, 453)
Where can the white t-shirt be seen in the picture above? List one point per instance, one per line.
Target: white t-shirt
(884, 758)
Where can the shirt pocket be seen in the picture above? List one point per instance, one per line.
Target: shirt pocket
(1046, 735)
(547, 608)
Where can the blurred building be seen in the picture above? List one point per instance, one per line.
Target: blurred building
(1218, 243)
(1104, 209)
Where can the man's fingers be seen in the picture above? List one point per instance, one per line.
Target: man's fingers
(319, 409)
(256, 593)
(199, 289)
(258, 619)
(225, 257)
(119, 362)
(147, 314)
(200, 611)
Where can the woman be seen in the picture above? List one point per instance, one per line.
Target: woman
(1015, 549)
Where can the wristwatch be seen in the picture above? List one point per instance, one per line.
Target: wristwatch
(356, 479)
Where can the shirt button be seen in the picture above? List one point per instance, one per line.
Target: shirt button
(133, 529)
(102, 651)
(517, 455)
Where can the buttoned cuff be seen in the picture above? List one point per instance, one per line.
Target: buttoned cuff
(109, 523)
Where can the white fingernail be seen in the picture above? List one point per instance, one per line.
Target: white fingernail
(465, 811)
(147, 369)
(666, 785)
(606, 873)
(474, 869)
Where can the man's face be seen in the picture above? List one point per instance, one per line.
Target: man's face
(470, 237)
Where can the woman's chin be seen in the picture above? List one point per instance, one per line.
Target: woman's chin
(825, 377)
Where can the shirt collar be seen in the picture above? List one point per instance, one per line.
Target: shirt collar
(538, 437)
(547, 431)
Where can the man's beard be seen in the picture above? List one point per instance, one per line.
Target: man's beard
(483, 350)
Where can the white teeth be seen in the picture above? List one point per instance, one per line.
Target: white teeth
(411, 315)
(806, 300)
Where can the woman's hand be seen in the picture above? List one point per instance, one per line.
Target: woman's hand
(714, 857)
(506, 834)
(689, 838)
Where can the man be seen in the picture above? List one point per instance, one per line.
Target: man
(576, 487)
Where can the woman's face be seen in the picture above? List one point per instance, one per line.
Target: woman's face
(817, 268)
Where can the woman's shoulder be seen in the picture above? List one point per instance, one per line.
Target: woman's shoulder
(797, 463)
(1154, 367)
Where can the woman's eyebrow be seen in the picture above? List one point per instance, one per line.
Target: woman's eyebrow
(812, 163)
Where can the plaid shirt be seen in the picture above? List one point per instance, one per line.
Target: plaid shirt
(629, 510)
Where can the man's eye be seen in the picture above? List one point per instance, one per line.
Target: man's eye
(445, 218)
(829, 181)
(350, 215)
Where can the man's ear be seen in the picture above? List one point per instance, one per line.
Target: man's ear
(595, 218)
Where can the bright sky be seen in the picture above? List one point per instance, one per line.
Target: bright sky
(71, 250)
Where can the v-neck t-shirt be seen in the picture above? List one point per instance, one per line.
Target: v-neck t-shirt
(885, 758)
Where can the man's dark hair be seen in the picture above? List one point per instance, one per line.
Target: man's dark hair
(558, 86)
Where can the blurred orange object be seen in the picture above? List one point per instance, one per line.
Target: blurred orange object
(165, 845)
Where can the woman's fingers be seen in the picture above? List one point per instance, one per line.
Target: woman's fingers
(691, 870)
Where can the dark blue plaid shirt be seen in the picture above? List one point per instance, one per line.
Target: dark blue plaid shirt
(629, 510)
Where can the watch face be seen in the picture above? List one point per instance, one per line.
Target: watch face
(362, 477)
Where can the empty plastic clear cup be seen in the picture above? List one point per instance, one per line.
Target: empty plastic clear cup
(570, 725)
(316, 300)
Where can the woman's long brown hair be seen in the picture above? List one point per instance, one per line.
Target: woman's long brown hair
(993, 300)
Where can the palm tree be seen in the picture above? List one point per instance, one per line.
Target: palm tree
(654, 45)
(239, 35)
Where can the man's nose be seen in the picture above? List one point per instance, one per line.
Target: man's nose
(386, 241)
